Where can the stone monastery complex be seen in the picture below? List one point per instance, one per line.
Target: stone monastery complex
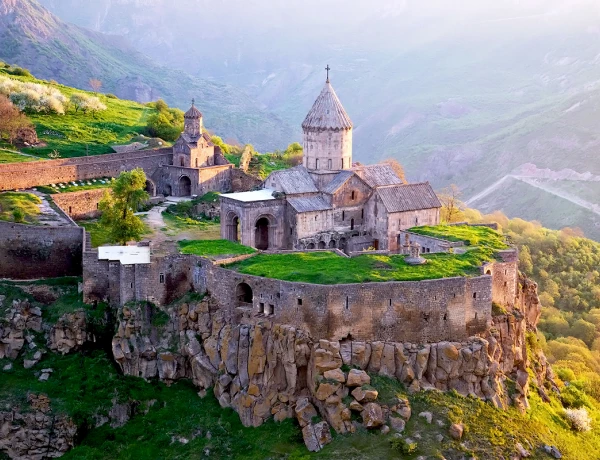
(328, 202)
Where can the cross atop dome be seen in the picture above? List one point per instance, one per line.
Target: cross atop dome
(327, 69)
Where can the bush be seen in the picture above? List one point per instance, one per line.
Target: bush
(86, 103)
(18, 215)
(19, 71)
(111, 96)
(401, 445)
(33, 97)
(167, 123)
(579, 419)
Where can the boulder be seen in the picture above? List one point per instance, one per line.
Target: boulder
(335, 374)
(403, 409)
(456, 431)
(397, 424)
(357, 378)
(523, 453)
(325, 390)
(551, 450)
(372, 415)
(427, 416)
(304, 411)
(316, 436)
(359, 394)
(356, 406)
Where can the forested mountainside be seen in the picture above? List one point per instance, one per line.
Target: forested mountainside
(457, 93)
(34, 38)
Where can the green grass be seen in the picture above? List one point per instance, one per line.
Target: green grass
(78, 134)
(214, 248)
(24, 203)
(472, 236)
(330, 268)
(7, 156)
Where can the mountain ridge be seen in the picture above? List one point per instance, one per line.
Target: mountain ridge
(36, 39)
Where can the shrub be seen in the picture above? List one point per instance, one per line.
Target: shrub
(33, 97)
(19, 71)
(18, 215)
(111, 96)
(86, 103)
(579, 419)
(403, 446)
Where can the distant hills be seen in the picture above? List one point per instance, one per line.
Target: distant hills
(458, 92)
(32, 37)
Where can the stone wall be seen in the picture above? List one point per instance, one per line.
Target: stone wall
(29, 252)
(327, 150)
(421, 311)
(80, 205)
(428, 244)
(25, 175)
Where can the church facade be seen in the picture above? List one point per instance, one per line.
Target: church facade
(328, 202)
(198, 166)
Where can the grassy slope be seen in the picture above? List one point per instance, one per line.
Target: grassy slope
(7, 156)
(77, 131)
(472, 236)
(24, 202)
(35, 39)
(214, 248)
(330, 268)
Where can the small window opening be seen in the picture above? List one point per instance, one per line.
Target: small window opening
(474, 295)
(271, 310)
(353, 195)
(261, 308)
(390, 302)
(445, 316)
(299, 301)
(161, 278)
(70, 210)
(362, 213)
(475, 315)
(351, 224)
(131, 285)
(347, 303)
(505, 283)
(343, 215)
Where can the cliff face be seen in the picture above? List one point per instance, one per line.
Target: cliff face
(267, 369)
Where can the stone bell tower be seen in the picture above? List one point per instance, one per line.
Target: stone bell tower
(327, 133)
(192, 120)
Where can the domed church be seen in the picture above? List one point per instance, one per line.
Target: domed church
(328, 202)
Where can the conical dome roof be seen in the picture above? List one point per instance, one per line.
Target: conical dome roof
(327, 112)
(193, 112)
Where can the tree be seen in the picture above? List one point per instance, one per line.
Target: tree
(451, 204)
(14, 125)
(118, 207)
(166, 123)
(86, 103)
(397, 167)
(95, 84)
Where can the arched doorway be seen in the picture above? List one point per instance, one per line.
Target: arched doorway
(342, 244)
(233, 227)
(261, 240)
(150, 188)
(168, 191)
(321, 244)
(332, 244)
(185, 186)
(310, 246)
(243, 295)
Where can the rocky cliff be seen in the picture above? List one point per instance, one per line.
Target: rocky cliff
(265, 370)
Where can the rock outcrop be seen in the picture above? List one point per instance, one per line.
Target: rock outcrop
(36, 433)
(69, 333)
(20, 317)
(264, 370)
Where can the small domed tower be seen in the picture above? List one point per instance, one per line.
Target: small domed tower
(327, 133)
(192, 120)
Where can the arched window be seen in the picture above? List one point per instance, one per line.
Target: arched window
(353, 195)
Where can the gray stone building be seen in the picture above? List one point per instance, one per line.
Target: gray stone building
(197, 167)
(328, 202)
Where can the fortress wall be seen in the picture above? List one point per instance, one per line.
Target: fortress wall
(505, 276)
(26, 175)
(423, 311)
(29, 252)
(80, 205)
